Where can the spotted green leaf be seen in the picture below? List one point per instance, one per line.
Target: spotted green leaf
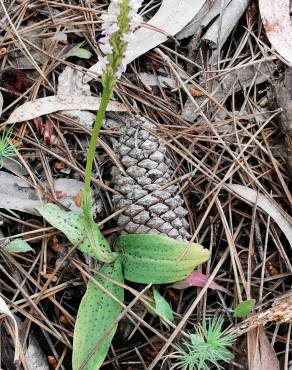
(162, 307)
(95, 325)
(244, 308)
(78, 230)
(158, 259)
(18, 246)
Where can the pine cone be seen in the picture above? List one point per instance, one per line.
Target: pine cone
(148, 169)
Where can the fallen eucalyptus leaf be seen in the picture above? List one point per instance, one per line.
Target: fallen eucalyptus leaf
(18, 195)
(171, 17)
(70, 83)
(18, 246)
(15, 167)
(262, 355)
(162, 307)
(5, 310)
(270, 207)
(73, 224)
(158, 259)
(244, 308)
(55, 103)
(195, 25)
(97, 311)
(277, 23)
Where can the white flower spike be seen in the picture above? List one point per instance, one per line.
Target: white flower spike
(119, 24)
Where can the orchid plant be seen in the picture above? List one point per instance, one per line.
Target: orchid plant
(118, 27)
(149, 259)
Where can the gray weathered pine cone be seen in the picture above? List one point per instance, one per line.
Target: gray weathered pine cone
(148, 169)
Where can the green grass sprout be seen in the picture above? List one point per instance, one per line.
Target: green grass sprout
(7, 149)
(207, 347)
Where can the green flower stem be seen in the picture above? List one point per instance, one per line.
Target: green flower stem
(106, 95)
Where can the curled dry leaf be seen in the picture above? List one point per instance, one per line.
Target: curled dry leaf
(277, 23)
(16, 194)
(267, 205)
(262, 355)
(222, 27)
(56, 103)
(171, 18)
(4, 309)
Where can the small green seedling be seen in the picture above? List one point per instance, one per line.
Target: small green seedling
(206, 348)
(7, 149)
(244, 308)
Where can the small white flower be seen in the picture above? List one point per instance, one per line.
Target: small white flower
(103, 62)
(127, 37)
(135, 21)
(121, 70)
(101, 65)
(112, 28)
(109, 17)
(106, 48)
(104, 40)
